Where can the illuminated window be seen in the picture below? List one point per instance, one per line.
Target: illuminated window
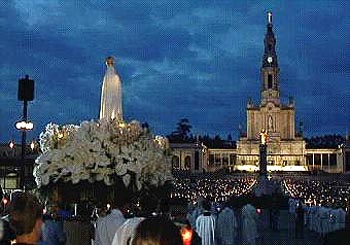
(211, 159)
(188, 163)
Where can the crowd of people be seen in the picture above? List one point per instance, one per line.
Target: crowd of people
(25, 224)
(326, 193)
(210, 218)
(226, 225)
(212, 189)
(29, 222)
(324, 204)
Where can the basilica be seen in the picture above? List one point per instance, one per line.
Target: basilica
(286, 148)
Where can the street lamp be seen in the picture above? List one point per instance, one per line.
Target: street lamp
(25, 94)
(24, 125)
(32, 145)
(11, 144)
(263, 153)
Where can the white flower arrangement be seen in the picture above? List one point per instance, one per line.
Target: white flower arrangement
(97, 151)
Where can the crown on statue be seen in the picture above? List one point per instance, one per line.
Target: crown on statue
(110, 61)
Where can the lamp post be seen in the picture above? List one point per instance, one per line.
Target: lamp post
(25, 94)
(23, 126)
(263, 153)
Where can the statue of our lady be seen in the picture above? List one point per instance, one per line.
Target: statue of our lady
(111, 95)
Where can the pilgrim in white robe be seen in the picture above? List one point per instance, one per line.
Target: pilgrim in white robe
(249, 228)
(192, 216)
(126, 231)
(226, 227)
(324, 220)
(107, 227)
(205, 228)
(341, 215)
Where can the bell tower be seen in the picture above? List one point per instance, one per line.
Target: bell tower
(284, 149)
(270, 91)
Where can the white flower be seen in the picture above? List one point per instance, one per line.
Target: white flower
(44, 157)
(99, 177)
(56, 155)
(107, 180)
(45, 179)
(94, 151)
(46, 138)
(102, 160)
(138, 184)
(120, 169)
(43, 167)
(126, 179)
(135, 167)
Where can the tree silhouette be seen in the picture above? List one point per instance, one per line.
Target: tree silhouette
(182, 134)
(326, 141)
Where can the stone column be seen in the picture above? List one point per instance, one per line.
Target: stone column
(263, 159)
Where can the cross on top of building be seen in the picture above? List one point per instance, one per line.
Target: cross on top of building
(269, 17)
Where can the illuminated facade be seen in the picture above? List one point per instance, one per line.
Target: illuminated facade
(284, 146)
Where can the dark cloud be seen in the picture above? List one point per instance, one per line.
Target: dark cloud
(194, 59)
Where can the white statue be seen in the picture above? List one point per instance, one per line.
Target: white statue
(270, 123)
(111, 95)
(263, 137)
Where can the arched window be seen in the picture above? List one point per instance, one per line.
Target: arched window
(269, 81)
(175, 162)
(187, 162)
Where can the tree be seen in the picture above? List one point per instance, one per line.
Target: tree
(182, 132)
(326, 141)
(183, 128)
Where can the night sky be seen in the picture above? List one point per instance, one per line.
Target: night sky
(194, 59)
